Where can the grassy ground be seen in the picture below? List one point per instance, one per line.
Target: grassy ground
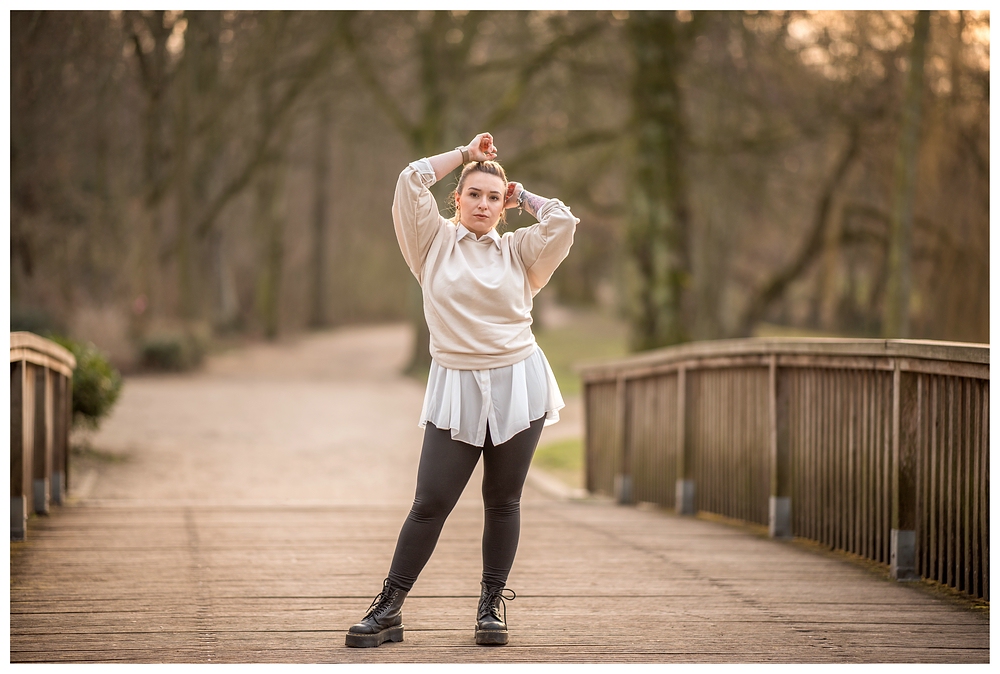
(562, 460)
(579, 336)
(575, 336)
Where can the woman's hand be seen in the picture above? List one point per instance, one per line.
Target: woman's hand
(482, 148)
(518, 197)
(513, 190)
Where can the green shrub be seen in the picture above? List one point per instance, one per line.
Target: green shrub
(96, 383)
(172, 351)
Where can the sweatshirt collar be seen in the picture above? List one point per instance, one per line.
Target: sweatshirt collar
(492, 234)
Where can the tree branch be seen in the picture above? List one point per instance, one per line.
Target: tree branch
(371, 80)
(235, 186)
(776, 286)
(569, 142)
(970, 141)
(515, 91)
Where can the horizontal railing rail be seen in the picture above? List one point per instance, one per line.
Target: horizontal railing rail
(876, 447)
(41, 408)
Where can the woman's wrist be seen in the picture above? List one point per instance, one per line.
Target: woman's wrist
(526, 201)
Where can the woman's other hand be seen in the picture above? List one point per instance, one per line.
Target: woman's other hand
(482, 148)
(513, 189)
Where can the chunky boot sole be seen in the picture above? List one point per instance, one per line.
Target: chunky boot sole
(377, 639)
(491, 637)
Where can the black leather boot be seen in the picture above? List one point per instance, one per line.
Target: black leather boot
(491, 628)
(384, 620)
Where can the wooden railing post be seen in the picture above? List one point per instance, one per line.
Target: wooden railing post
(779, 505)
(903, 537)
(42, 460)
(60, 436)
(684, 495)
(623, 479)
(41, 406)
(847, 424)
(22, 427)
(18, 510)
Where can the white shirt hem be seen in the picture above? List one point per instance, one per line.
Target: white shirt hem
(503, 400)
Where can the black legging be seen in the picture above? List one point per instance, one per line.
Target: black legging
(445, 468)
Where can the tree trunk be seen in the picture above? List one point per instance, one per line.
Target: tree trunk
(186, 285)
(215, 295)
(896, 323)
(828, 282)
(420, 357)
(270, 237)
(155, 80)
(226, 311)
(270, 216)
(658, 216)
(321, 200)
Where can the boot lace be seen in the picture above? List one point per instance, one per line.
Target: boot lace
(382, 600)
(493, 600)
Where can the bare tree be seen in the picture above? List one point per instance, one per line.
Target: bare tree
(441, 53)
(659, 214)
(897, 305)
(321, 208)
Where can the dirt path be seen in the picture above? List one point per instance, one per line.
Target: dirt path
(323, 418)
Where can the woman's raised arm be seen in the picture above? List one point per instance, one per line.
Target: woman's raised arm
(480, 149)
(545, 244)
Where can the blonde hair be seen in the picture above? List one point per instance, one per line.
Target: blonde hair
(490, 167)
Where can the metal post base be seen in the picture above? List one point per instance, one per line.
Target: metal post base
(623, 489)
(903, 554)
(58, 488)
(41, 496)
(18, 518)
(684, 503)
(779, 516)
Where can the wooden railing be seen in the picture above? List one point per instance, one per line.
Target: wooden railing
(41, 395)
(876, 447)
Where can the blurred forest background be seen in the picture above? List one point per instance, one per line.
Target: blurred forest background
(205, 175)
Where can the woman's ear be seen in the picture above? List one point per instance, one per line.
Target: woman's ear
(510, 191)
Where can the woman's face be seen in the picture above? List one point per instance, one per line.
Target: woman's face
(480, 203)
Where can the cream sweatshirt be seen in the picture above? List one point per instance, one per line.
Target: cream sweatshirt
(477, 292)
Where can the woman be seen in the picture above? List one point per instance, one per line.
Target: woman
(490, 389)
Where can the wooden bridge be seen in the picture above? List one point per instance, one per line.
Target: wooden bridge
(248, 514)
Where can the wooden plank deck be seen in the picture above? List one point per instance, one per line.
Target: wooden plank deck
(143, 583)
(245, 523)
